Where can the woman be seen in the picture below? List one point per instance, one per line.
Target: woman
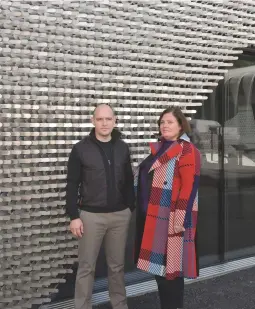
(167, 184)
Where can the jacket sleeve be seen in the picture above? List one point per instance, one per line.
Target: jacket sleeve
(74, 169)
(189, 172)
(129, 190)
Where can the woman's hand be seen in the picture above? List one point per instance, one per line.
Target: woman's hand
(178, 229)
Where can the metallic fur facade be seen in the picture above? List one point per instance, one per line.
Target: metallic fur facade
(61, 58)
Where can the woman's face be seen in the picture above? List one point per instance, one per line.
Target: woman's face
(169, 127)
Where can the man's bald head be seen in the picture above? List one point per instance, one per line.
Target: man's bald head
(104, 121)
(103, 107)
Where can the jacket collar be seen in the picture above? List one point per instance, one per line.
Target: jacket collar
(116, 134)
(174, 150)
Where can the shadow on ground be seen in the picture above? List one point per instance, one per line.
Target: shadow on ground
(232, 291)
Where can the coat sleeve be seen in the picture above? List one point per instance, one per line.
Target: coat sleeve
(74, 169)
(189, 172)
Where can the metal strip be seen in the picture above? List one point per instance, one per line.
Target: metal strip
(151, 286)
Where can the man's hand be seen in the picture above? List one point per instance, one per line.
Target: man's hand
(76, 227)
(178, 229)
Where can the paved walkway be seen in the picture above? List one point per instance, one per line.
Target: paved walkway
(232, 291)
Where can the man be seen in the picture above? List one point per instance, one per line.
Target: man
(100, 178)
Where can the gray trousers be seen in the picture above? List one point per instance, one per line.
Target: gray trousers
(113, 229)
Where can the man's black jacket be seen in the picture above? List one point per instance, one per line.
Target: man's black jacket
(96, 184)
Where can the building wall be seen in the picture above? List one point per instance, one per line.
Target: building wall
(58, 60)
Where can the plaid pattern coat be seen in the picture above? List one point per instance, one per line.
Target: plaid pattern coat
(172, 201)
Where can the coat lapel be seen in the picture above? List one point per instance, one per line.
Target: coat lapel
(173, 151)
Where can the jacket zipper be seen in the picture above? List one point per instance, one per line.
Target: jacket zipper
(109, 164)
(110, 185)
(109, 161)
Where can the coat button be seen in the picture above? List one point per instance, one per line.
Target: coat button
(165, 182)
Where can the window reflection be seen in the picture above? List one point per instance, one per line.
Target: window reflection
(224, 131)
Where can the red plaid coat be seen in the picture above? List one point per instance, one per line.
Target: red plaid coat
(173, 201)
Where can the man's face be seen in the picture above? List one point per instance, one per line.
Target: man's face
(103, 120)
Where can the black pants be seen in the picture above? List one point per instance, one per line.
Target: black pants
(170, 292)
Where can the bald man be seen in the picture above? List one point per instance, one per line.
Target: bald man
(99, 201)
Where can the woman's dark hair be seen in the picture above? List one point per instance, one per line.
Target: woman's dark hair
(178, 114)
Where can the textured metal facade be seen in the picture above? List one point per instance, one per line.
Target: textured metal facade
(61, 58)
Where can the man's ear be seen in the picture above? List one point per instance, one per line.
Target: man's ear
(92, 120)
